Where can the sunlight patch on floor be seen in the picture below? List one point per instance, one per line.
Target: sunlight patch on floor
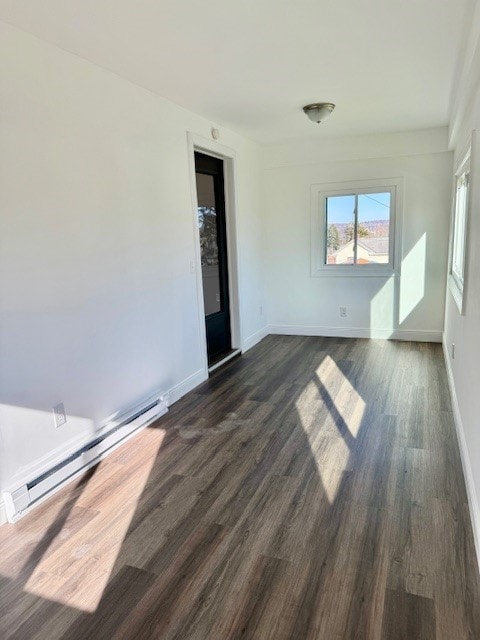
(76, 574)
(331, 471)
(330, 429)
(347, 401)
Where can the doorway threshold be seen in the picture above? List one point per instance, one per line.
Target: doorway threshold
(223, 360)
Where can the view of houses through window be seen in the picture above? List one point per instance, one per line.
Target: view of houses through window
(358, 228)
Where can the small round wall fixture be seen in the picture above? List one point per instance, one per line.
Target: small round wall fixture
(319, 111)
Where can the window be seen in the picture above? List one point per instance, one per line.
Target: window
(353, 228)
(459, 231)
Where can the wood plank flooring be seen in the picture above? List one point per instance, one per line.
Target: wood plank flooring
(311, 489)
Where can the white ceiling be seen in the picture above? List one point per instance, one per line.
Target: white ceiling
(389, 65)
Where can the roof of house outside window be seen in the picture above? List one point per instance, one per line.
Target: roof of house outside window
(375, 245)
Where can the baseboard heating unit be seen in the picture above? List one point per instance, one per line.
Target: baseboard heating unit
(21, 499)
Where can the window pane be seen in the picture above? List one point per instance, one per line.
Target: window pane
(373, 232)
(207, 218)
(458, 258)
(340, 212)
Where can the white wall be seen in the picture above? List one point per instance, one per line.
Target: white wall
(411, 306)
(464, 331)
(98, 303)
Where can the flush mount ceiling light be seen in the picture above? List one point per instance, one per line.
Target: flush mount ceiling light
(319, 111)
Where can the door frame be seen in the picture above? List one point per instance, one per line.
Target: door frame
(213, 148)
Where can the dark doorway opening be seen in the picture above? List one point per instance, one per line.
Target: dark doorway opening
(214, 257)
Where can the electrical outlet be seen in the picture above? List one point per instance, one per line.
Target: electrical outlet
(343, 312)
(59, 415)
(453, 351)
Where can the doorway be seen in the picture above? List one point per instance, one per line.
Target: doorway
(209, 174)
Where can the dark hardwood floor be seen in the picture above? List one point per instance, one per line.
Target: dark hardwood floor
(310, 489)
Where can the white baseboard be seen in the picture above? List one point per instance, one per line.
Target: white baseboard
(353, 332)
(254, 339)
(183, 387)
(3, 513)
(473, 504)
(223, 361)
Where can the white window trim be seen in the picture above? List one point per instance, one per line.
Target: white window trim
(319, 228)
(455, 285)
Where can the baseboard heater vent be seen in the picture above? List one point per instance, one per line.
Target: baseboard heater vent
(20, 500)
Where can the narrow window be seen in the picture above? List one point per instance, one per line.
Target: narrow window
(459, 232)
(460, 225)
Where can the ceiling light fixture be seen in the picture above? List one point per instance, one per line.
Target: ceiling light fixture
(319, 111)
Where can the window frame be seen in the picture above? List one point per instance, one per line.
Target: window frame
(319, 227)
(456, 281)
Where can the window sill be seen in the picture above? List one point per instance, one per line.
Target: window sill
(350, 272)
(457, 293)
